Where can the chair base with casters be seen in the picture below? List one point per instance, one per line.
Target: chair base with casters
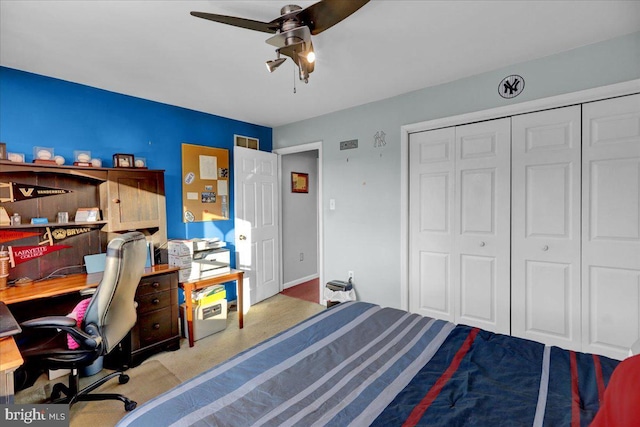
(73, 395)
(46, 343)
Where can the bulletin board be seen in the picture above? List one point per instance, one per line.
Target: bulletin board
(205, 183)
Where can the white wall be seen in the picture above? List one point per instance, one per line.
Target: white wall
(363, 233)
(299, 219)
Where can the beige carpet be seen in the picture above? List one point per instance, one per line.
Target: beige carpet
(154, 377)
(165, 370)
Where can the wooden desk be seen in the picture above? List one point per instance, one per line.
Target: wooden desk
(10, 360)
(64, 285)
(189, 287)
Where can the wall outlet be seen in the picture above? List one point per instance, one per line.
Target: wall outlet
(350, 275)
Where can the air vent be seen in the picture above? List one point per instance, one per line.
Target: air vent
(347, 145)
(247, 142)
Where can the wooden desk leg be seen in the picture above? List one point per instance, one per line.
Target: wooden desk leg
(189, 308)
(240, 302)
(6, 387)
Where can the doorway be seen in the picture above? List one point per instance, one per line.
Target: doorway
(301, 217)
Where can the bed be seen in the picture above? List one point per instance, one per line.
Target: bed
(360, 364)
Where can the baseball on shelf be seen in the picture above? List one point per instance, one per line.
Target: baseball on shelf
(59, 160)
(83, 157)
(44, 154)
(15, 157)
(139, 163)
(96, 163)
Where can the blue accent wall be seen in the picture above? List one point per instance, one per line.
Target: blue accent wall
(41, 111)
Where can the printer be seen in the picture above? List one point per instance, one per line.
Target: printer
(211, 262)
(199, 258)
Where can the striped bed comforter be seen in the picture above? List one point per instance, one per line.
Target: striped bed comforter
(360, 364)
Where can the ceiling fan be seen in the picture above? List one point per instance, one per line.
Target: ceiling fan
(294, 28)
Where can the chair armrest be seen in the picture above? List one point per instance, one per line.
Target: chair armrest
(50, 322)
(66, 324)
(87, 291)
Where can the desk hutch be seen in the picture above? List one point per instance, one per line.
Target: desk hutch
(128, 199)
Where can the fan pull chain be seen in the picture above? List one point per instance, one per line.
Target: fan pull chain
(294, 78)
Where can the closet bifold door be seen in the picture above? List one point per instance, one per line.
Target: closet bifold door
(481, 225)
(611, 225)
(545, 239)
(431, 193)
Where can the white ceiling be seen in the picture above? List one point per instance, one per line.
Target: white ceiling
(156, 50)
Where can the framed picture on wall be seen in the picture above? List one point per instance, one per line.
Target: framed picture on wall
(299, 182)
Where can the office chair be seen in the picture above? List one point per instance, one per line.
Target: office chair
(109, 317)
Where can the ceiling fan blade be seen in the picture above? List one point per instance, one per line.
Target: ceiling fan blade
(327, 13)
(265, 27)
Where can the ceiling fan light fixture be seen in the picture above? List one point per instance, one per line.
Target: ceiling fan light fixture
(275, 63)
(307, 54)
(292, 31)
(311, 57)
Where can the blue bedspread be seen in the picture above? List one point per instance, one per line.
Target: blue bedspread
(360, 364)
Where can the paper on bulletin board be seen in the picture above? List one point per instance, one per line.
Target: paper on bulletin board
(208, 167)
(205, 183)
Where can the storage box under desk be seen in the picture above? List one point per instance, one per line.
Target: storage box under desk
(207, 319)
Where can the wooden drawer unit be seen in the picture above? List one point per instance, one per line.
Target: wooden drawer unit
(156, 328)
(153, 327)
(153, 301)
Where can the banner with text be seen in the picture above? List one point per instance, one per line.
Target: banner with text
(18, 191)
(20, 254)
(9, 235)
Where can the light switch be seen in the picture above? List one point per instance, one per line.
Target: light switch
(332, 204)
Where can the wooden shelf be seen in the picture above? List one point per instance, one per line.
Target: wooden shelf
(128, 199)
(55, 224)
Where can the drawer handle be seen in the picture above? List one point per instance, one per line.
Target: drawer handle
(115, 200)
(155, 301)
(156, 326)
(155, 284)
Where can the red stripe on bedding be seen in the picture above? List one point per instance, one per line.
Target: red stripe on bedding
(599, 378)
(575, 394)
(419, 410)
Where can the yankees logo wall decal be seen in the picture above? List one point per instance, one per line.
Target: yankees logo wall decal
(511, 86)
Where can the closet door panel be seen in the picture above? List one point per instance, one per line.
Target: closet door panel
(545, 263)
(478, 289)
(612, 306)
(431, 169)
(611, 225)
(482, 225)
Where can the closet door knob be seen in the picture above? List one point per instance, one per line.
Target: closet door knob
(482, 243)
(545, 248)
(242, 237)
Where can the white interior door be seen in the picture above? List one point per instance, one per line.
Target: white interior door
(481, 255)
(545, 263)
(431, 193)
(611, 225)
(256, 222)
